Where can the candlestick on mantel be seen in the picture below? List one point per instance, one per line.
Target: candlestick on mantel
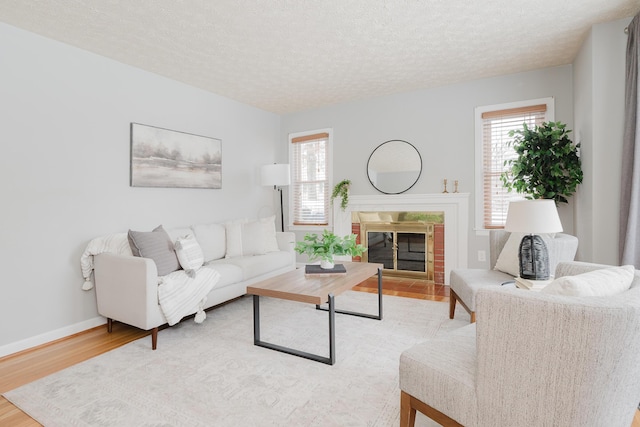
(445, 186)
(455, 186)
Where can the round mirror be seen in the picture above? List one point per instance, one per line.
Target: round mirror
(394, 167)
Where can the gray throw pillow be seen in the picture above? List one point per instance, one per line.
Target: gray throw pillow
(156, 245)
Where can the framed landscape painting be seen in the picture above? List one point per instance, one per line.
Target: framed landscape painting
(172, 159)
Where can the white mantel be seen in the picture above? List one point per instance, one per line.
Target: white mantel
(456, 218)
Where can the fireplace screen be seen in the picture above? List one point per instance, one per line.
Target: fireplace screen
(398, 250)
(402, 248)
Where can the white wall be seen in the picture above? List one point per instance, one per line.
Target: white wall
(599, 72)
(439, 123)
(64, 172)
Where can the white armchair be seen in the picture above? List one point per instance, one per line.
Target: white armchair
(531, 359)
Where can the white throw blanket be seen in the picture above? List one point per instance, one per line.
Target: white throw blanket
(178, 294)
(112, 243)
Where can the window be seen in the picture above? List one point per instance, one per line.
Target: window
(310, 171)
(493, 124)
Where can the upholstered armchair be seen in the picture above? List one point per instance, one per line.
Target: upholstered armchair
(532, 359)
(464, 283)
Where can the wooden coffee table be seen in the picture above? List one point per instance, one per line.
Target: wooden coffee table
(314, 289)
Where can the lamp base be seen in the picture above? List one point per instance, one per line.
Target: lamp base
(534, 258)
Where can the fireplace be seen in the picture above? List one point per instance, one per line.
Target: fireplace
(452, 233)
(404, 242)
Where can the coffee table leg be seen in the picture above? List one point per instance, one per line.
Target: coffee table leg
(256, 319)
(332, 330)
(365, 315)
(315, 357)
(379, 294)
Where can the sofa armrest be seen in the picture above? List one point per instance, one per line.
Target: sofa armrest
(127, 290)
(287, 243)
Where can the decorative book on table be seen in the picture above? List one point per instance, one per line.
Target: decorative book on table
(531, 285)
(313, 269)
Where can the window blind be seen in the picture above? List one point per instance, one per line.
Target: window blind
(496, 126)
(310, 186)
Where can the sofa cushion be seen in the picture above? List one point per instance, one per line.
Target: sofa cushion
(602, 282)
(212, 240)
(253, 266)
(229, 273)
(189, 253)
(156, 245)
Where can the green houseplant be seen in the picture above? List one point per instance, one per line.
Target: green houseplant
(325, 246)
(547, 164)
(341, 190)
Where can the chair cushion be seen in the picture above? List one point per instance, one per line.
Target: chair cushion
(465, 282)
(441, 373)
(602, 282)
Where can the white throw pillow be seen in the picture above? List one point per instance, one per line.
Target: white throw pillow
(602, 282)
(234, 238)
(251, 237)
(189, 253)
(212, 240)
(508, 261)
(269, 234)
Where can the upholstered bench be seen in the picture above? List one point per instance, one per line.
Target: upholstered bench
(503, 250)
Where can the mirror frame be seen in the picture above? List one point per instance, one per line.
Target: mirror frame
(380, 146)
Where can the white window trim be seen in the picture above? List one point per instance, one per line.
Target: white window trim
(315, 228)
(479, 190)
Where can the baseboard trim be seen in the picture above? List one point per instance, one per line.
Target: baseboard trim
(37, 340)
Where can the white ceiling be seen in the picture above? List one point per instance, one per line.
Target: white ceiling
(291, 55)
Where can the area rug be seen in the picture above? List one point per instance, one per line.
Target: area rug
(211, 374)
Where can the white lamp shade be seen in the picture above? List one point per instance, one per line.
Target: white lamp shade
(533, 217)
(275, 174)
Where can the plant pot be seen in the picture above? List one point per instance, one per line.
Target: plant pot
(327, 265)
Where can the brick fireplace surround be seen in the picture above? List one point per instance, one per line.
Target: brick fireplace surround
(456, 211)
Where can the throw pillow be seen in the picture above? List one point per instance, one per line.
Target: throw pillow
(603, 282)
(212, 240)
(189, 254)
(234, 238)
(269, 234)
(508, 261)
(251, 237)
(157, 246)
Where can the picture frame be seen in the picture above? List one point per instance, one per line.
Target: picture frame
(172, 159)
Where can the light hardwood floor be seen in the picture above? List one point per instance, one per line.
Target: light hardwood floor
(32, 364)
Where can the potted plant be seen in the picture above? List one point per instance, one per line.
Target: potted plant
(327, 245)
(547, 166)
(341, 190)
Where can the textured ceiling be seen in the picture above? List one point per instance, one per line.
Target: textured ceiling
(291, 55)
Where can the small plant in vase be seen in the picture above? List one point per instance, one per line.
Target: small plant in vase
(327, 245)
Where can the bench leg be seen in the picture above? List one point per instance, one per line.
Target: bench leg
(109, 325)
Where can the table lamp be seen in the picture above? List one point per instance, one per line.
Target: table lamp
(533, 217)
(278, 176)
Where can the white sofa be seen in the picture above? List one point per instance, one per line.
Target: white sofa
(127, 285)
